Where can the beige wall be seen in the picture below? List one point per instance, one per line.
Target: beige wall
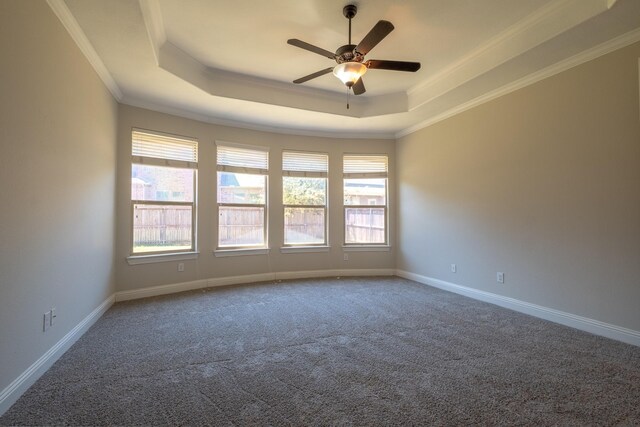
(207, 265)
(57, 182)
(542, 184)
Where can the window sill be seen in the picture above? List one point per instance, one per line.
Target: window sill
(240, 252)
(303, 249)
(366, 248)
(154, 258)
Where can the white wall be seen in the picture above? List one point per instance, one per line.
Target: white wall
(542, 184)
(208, 266)
(57, 183)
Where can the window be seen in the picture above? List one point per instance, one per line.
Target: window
(242, 196)
(304, 196)
(365, 199)
(163, 188)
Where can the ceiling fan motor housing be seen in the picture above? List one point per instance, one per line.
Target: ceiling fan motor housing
(347, 53)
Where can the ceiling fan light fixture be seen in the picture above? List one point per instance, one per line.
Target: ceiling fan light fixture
(349, 72)
(350, 57)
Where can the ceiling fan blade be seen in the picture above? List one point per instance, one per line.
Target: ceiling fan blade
(314, 75)
(375, 36)
(381, 64)
(358, 87)
(311, 48)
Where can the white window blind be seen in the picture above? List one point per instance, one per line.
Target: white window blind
(242, 160)
(365, 166)
(296, 163)
(158, 146)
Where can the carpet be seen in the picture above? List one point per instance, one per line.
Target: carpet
(350, 351)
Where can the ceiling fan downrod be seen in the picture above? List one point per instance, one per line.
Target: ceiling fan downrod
(349, 11)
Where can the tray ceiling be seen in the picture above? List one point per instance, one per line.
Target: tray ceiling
(229, 63)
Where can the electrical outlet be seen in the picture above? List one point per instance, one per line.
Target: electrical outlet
(181, 266)
(454, 268)
(53, 316)
(46, 321)
(500, 277)
(345, 257)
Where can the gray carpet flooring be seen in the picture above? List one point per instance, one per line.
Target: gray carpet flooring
(353, 351)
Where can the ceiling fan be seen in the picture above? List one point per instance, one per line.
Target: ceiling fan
(350, 58)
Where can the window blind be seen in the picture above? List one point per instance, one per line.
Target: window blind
(158, 146)
(242, 160)
(295, 163)
(365, 166)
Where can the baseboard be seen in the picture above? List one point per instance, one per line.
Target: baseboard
(310, 274)
(248, 278)
(13, 391)
(239, 280)
(160, 290)
(593, 326)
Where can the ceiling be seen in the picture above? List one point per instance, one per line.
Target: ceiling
(229, 62)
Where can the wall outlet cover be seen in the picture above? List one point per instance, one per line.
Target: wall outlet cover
(46, 321)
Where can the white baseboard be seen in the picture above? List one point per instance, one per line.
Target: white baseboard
(239, 280)
(13, 391)
(309, 274)
(160, 290)
(593, 326)
(249, 278)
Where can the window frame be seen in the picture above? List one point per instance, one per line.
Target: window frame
(265, 206)
(168, 163)
(366, 175)
(306, 174)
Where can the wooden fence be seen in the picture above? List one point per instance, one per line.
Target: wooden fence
(304, 225)
(241, 226)
(155, 225)
(365, 225)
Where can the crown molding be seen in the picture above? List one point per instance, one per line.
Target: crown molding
(183, 65)
(152, 15)
(547, 22)
(542, 25)
(75, 31)
(187, 114)
(566, 64)
(244, 87)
